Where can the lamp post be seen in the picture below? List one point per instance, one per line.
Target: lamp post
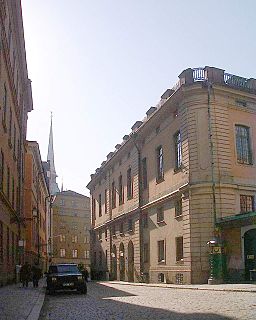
(35, 213)
(216, 260)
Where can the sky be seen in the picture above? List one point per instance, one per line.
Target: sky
(99, 65)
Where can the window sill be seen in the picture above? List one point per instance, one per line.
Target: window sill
(159, 180)
(178, 216)
(162, 262)
(180, 262)
(161, 222)
(177, 170)
(244, 163)
(4, 125)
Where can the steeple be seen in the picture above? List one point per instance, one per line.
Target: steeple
(50, 158)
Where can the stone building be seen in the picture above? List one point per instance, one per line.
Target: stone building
(36, 207)
(182, 179)
(16, 102)
(71, 228)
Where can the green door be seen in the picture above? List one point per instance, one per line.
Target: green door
(249, 252)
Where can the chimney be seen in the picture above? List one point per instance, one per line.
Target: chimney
(136, 125)
(126, 137)
(110, 155)
(150, 111)
(167, 94)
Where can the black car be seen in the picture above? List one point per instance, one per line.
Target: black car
(65, 277)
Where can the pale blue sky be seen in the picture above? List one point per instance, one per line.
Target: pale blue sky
(99, 65)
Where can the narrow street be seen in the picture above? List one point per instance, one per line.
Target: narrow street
(115, 301)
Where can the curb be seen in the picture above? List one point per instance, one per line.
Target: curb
(182, 287)
(35, 311)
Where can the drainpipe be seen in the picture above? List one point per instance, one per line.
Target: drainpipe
(140, 204)
(215, 245)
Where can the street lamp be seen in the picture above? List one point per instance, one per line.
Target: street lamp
(216, 261)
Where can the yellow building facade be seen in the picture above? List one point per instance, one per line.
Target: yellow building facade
(36, 207)
(16, 102)
(71, 229)
(180, 186)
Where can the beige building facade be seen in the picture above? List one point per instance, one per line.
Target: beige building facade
(36, 207)
(184, 177)
(71, 229)
(16, 102)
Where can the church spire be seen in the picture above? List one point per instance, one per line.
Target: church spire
(50, 159)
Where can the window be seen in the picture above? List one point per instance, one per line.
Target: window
(14, 142)
(178, 207)
(106, 234)
(146, 252)
(86, 254)
(74, 238)
(8, 182)
(161, 277)
(121, 228)
(129, 184)
(106, 258)
(243, 148)
(73, 203)
(130, 225)
(62, 238)
(13, 192)
(120, 190)
(86, 239)
(144, 174)
(74, 253)
(100, 258)
(100, 206)
(10, 129)
(62, 202)
(106, 201)
(100, 235)
(95, 258)
(160, 164)
(13, 248)
(114, 231)
(178, 150)
(93, 209)
(5, 106)
(160, 215)
(246, 203)
(161, 251)
(1, 170)
(113, 195)
(62, 253)
(179, 249)
(145, 220)
(1, 243)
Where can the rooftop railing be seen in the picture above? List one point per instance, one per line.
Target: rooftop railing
(200, 74)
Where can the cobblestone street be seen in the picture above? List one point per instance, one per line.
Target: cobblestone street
(115, 301)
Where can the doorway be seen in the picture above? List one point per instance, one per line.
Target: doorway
(249, 252)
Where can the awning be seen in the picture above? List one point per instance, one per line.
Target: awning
(238, 220)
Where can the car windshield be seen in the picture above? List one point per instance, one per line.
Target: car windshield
(64, 269)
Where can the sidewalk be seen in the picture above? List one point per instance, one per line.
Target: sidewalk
(17, 303)
(234, 287)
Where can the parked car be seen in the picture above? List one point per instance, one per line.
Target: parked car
(65, 277)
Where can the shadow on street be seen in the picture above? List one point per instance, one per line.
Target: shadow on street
(98, 304)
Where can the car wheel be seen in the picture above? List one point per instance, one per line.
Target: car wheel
(84, 291)
(51, 292)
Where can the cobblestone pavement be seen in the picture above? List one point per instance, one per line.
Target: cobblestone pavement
(107, 301)
(17, 303)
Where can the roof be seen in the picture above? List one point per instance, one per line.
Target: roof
(71, 194)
